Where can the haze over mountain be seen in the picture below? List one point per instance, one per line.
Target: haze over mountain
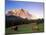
(22, 13)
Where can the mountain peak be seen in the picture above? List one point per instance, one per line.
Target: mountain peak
(20, 12)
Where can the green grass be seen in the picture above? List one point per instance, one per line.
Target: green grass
(41, 27)
(25, 28)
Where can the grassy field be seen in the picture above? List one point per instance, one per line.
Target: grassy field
(26, 28)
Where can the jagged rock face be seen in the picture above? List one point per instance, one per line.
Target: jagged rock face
(21, 13)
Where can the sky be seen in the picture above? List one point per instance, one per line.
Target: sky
(35, 8)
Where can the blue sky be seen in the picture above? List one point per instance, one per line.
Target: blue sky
(36, 8)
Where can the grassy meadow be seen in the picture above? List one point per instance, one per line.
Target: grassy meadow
(27, 28)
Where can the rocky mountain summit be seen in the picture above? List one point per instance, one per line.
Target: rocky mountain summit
(21, 13)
